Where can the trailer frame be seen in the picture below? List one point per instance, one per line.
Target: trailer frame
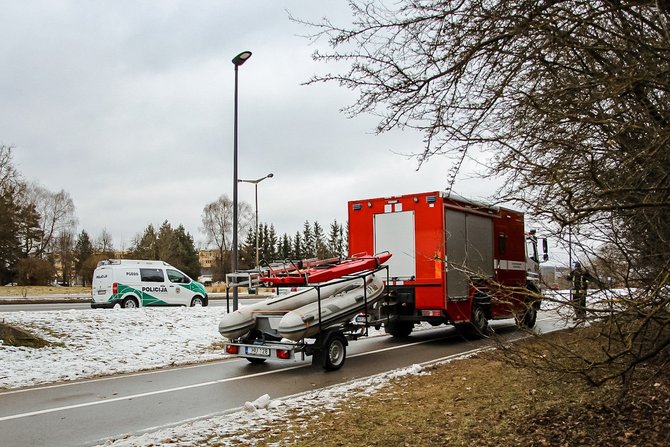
(327, 348)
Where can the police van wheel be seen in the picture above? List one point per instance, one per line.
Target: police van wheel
(197, 301)
(130, 303)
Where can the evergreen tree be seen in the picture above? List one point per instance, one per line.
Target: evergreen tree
(297, 251)
(146, 245)
(83, 250)
(10, 245)
(174, 246)
(308, 246)
(335, 240)
(247, 251)
(264, 243)
(285, 247)
(272, 243)
(320, 246)
(167, 244)
(29, 230)
(186, 256)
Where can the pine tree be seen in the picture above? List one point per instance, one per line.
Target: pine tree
(309, 250)
(145, 246)
(297, 252)
(285, 247)
(335, 240)
(186, 256)
(320, 246)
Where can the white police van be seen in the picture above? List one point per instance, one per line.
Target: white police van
(136, 283)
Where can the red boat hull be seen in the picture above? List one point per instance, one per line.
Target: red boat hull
(323, 274)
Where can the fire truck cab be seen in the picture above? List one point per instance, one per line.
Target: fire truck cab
(454, 261)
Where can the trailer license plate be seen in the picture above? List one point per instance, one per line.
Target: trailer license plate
(254, 350)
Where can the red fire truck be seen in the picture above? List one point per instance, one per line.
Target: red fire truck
(454, 261)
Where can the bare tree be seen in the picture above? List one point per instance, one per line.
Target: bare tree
(104, 243)
(57, 214)
(567, 101)
(217, 224)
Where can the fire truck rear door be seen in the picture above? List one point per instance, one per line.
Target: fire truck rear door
(394, 232)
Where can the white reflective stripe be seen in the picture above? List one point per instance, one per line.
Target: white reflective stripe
(504, 264)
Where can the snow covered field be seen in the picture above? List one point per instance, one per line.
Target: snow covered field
(109, 341)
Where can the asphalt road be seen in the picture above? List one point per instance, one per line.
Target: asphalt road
(88, 412)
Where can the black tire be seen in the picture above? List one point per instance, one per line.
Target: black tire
(198, 301)
(334, 352)
(479, 323)
(399, 329)
(528, 318)
(255, 361)
(130, 302)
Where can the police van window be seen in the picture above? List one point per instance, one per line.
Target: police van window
(152, 275)
(177, 277)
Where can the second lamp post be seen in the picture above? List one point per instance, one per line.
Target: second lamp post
(255, 183)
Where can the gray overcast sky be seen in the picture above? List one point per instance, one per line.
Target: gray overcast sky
(128, 106)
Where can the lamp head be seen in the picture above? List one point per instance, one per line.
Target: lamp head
(241, 58)
(270, 175)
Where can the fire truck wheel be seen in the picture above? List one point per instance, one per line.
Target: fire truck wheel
(399, 329)
(529, 318)
(479, 322)
(255, 361)
(334, 352)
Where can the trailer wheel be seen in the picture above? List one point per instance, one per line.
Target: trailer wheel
(479, 322)
(334, 352)
(130, 303)
(399, 329)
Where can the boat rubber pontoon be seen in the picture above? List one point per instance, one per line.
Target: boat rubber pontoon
(317, 321)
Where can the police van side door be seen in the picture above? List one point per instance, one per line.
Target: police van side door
(154, 287)
(178, 294)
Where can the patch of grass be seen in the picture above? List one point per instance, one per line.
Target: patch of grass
(486, 401)
(28, 291)
(217, 346)
(14, 336)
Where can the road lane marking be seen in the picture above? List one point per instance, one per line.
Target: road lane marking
(139, 395)
(202, 384)
(187, 387)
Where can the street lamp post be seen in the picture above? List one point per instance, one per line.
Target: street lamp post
(255, 183)
(237, 61)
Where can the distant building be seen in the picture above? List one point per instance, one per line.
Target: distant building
(207, 258)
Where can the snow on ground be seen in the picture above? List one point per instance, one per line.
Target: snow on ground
(242, 426)
(109, 341)
(90, 343)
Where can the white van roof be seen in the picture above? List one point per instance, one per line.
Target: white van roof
(133, 262)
